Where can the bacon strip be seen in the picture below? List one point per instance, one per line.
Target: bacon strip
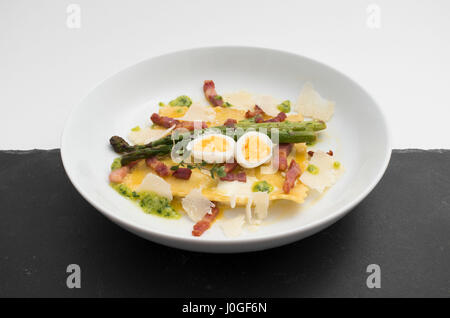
(205, 223)
(190, 125)
(163, 120)
(182, 173)
(292, 174)
(230, 166)
(118, 175)
(283, 151)
(161, 169)
(230, 122)
(277, 119)
(168, 122)
(210, 93)
(233, 176)
(257, 111)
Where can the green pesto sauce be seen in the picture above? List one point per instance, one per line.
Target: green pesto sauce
(285, 106)
(150, 202)
(182, 100)
(262, 186)
(312, 169)
(336, 165)
(227, 104)
(137, 128)
(116, 164)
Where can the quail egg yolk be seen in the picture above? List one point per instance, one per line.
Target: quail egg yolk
(255, 149)
(211, 144)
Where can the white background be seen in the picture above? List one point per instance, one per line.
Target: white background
(46, 68)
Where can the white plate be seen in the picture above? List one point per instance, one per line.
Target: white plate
(357, 133)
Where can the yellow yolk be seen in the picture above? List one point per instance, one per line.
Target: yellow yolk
(211, 144)
(255, 149)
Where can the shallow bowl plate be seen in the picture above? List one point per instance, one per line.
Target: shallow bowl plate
(357, 134)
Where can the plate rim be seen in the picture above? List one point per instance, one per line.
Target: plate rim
(307, 229)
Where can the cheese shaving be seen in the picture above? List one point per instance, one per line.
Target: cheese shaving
(233, 227)
(260, 212)
(156, 184)
(196, 205)
(241, 100)
(268, 104)
(145, 135)
(311, 104)
(236, 189)
(248, 210)
(261, 200)
(326, 175)
(198, 112)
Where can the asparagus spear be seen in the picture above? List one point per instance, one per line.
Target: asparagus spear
(314, 125)
(144, 153)
(284, 137)
(289, 132)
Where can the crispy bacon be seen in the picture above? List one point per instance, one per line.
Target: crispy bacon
(235, 176)
(210, 93)
(190, 125)
(118, 175)
(230, 122)
(205, 223)
(161, 169)
(256, 111)
(230, 166)
(182, 173)
(168, 122)
(292, 174)
(330, 153)
(283, 151)
(277, 119)
(163, 120)
(310, 153)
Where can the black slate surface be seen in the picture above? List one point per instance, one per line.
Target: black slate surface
(403, 226)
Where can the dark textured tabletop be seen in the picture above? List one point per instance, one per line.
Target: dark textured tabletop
(403, 226)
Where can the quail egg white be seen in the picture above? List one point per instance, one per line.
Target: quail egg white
(212, 148)
(253, 149)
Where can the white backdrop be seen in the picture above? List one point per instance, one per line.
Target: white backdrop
(47, 67)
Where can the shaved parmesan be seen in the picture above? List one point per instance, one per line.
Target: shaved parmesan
(260, 212)
(236, 189)
(145, 135)
(261, 200)
(196, 205)
(268, 104)
(233, 227)
(311, 104)
(248, 210)
(240, 100)
(156, 184)
(198, 112)
(326, 175)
